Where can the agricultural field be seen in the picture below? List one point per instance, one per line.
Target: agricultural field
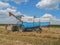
(49, 36)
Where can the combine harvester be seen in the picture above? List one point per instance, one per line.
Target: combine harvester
(29, 24)
(23, 26)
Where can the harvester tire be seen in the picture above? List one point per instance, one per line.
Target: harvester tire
(39, 30)
(21, 29)
(14, 28)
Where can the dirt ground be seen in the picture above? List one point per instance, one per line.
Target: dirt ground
(49, 36)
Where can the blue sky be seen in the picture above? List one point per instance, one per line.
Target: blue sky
(30, 7)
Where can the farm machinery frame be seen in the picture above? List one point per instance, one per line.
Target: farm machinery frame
(20, 26)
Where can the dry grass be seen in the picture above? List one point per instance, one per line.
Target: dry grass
(47, 37)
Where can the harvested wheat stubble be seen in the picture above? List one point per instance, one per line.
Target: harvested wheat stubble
(47, 37)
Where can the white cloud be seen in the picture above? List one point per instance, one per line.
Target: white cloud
(17, 1)
(9, 20)
(13, 11)
(5, 12)
(55, 22)
(48, 4)
(47, 17)
(4, 9)
(50, 18)
(4, 5)
(4, 17)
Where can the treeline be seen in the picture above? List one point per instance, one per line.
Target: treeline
(3, 24)
(6, 24)
(54, 25)
(48, 26)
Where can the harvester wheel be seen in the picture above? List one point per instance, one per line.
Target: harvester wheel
(14, 28)
(39, 30)
(21, 29)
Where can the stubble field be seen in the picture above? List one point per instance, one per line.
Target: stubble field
(49, 36)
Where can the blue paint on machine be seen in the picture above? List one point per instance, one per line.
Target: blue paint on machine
(33, 24)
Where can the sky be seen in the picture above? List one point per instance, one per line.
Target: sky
(35, 8)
